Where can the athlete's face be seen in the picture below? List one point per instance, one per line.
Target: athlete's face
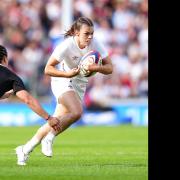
(84, 35)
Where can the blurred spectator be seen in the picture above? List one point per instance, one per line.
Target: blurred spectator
(84, 7)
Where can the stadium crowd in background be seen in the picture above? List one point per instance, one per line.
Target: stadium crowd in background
(28, 28)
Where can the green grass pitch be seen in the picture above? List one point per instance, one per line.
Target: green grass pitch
(88, 152)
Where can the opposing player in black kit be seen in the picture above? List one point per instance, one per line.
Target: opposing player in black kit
(10, 84)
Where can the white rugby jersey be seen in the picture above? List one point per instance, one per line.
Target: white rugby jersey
(69, 55)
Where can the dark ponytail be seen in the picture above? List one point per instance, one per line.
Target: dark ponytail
(3, 53)
(77, 26)
(71, 31)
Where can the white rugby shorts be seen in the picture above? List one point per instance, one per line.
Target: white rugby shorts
(62, 85)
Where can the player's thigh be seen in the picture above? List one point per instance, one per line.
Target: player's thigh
(60, 110)
(71, 101)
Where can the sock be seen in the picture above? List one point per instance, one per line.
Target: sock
(50, 136)
(30, 145)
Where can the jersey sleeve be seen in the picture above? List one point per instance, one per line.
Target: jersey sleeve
(100, 48)
(9, 80)
(18, 85)
(60, 51)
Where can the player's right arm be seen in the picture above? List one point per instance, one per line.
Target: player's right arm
(28, 99)
(50, 69)
(20, 91)
(59, 53)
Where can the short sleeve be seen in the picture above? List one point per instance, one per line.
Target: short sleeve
(60, 51)
(18, 85)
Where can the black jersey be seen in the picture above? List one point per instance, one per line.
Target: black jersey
(9, 80)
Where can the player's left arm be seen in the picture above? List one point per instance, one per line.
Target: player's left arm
(105, 68)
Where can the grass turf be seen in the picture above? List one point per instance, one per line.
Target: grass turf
(119, 152)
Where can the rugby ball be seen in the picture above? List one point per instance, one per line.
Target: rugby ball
(90, 58)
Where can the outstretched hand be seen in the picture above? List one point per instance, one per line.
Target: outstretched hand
(54, 123)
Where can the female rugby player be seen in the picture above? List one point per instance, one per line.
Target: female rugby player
(68, 85)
